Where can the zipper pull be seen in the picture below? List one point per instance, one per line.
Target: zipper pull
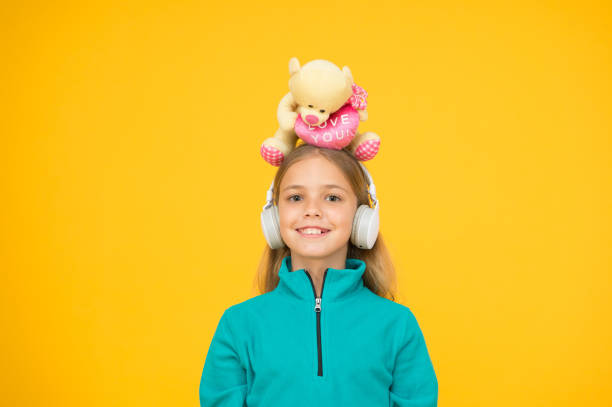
(318, 304)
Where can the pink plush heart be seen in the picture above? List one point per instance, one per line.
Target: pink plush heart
(336, 132)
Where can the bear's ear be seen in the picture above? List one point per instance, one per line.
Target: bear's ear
(348, 74)
(294, 66)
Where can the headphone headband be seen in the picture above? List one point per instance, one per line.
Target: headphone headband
(371, 186)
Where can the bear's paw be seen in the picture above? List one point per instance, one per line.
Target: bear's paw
(272, 155)
(367, 150)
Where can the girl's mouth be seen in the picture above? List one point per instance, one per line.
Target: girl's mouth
(312, 233)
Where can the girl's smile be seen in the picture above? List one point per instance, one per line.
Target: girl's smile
(312, 232)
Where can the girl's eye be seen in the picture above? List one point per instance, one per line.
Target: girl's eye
(290, 198)
(322, 110)
(310, 106)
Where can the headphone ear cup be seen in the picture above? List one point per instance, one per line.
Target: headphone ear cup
(271, 227)
(365, 227)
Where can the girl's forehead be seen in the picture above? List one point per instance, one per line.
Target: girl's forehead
(313, 166)
(314, 186)
(314, 174)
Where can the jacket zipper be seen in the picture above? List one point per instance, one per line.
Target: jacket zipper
(317, 309)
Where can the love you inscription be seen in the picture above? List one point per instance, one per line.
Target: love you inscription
(335, 133)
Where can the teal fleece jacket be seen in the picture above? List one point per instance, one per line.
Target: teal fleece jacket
(350, 347)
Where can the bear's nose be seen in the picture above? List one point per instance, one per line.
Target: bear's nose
(312, 119)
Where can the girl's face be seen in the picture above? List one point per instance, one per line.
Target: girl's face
(314, 192)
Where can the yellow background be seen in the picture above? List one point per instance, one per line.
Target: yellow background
(132, 186)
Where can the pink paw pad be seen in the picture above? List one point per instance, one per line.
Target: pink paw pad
(272, 155)
(367, 150)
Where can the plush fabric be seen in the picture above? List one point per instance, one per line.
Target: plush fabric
(318, 91)
(272, 155)
(336, 132)
(367, 150)
(359, 98)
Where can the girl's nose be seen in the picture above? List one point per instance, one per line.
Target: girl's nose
(312, 210)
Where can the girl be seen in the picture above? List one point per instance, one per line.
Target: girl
(326, 330)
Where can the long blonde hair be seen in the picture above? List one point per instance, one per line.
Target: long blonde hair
(379, 275)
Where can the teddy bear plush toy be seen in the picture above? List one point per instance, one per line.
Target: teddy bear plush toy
(323, 107)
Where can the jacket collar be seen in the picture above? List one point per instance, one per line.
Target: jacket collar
(338, 283)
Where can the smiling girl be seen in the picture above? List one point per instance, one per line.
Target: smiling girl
(325, 330)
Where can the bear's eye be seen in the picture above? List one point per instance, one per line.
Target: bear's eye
(322, 110)
(310, 106)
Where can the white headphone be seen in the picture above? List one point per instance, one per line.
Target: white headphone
(365, 222)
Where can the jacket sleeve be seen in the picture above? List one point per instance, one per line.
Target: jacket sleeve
(414, 380)
(223, 382)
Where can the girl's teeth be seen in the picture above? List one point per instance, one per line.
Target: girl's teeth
(311, 231)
